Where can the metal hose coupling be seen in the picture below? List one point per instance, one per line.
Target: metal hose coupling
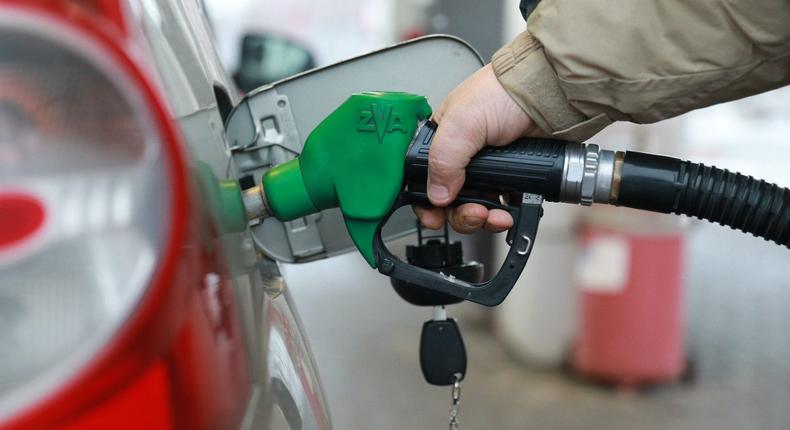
(255, 204)
(589, 175)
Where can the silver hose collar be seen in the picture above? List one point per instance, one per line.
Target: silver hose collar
(255, 203)
(587, 174)
(590, 172)
(604, 177)
(572, 173)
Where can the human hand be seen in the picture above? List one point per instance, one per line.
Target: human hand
(478, 112)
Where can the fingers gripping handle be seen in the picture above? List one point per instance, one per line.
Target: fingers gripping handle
(521, 239)
(535, 167)
(526, 165)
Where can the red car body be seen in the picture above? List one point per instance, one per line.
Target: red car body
(210, 343)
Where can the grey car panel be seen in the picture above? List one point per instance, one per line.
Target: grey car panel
(284, 380)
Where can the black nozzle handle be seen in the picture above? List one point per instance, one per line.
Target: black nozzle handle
(528, 165)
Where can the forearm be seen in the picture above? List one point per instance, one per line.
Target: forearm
(582, 65)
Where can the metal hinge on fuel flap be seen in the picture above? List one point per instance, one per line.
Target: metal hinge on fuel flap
(258, 142)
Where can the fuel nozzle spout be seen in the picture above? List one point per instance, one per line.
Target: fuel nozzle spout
(255, 205)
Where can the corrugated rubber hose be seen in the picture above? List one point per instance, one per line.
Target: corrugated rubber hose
(670, 185)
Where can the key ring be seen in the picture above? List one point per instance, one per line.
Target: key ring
(456, 402)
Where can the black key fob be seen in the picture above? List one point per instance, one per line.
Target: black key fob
(442, 352)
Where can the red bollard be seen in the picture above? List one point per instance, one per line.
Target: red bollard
(631, 316)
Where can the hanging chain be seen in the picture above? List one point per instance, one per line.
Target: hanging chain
(456, 402)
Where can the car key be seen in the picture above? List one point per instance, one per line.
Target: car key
(443, 357)
(442, 350)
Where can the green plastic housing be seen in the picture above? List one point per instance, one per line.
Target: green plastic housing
(352, 160)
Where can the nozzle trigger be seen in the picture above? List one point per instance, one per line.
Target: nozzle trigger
(521, 238)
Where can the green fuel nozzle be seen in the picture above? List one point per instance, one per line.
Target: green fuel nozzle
(352, 160)
(368, 158)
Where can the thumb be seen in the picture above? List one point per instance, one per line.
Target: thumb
(452, 148)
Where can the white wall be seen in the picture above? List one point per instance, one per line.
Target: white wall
(334, 29)
(514, 23)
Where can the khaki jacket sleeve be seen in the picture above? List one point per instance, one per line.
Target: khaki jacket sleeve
(584, 64)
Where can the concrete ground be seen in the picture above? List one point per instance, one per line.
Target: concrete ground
(365, 341)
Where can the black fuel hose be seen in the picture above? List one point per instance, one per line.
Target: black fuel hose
(670, 185)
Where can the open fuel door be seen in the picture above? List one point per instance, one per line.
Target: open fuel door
(269, 127)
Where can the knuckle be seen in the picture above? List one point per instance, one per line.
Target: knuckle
(442, 167)
(460, 228)
(440, 164)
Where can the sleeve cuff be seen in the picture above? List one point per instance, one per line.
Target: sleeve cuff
(524, 71)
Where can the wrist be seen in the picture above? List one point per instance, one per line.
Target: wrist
(524, 71)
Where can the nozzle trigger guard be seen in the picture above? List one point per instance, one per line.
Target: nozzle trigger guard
(521, 238)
